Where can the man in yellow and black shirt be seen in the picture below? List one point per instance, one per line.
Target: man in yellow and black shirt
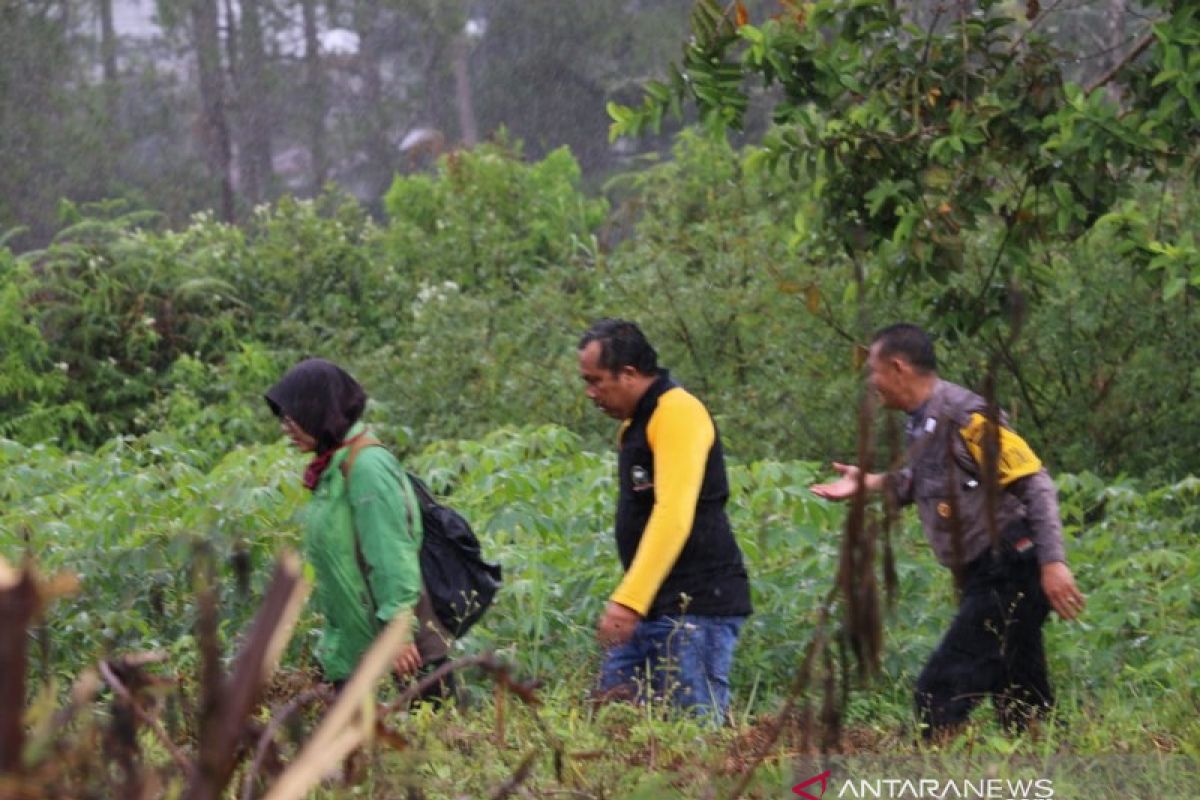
(685, 593)
(994, 645)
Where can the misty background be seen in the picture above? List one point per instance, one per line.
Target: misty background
(179, 106)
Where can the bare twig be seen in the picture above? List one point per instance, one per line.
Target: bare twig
(520, 776)
(990, 468)
(119, 688)
(799, 685)
(1015, 370)
(144, 658)
(856, 568)
(1129, 58)
(83, 691)
(891, 512)
(349, 722)
(278, 718)
(937, 15)
(1106, 51)
(957, 557)
(223, 723)
(485, 661)
(1009, 226)
(1034, 26)
(505, 684)
(498, 694)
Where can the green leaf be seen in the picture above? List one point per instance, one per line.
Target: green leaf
(1173, 288)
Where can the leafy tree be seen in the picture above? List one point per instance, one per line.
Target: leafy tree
(1105, 371)
(50, 132)
(460, 313)
(517, 219)
(31, 384)
(495, 258)
(712, 272)
(948, 157)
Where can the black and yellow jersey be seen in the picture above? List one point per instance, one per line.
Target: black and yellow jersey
(673, 536)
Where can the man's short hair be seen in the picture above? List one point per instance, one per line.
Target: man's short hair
(622, 344)
(910, 343)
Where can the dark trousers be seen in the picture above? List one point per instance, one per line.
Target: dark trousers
(994, 647)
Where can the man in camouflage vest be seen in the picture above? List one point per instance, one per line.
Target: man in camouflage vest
(994, 646)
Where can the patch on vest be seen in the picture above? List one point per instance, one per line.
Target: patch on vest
(639, 478)
(943, 510)
(1016, 459)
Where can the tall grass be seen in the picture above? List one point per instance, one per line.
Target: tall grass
(125, 518)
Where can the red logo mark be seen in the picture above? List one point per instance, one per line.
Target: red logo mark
(823, 778)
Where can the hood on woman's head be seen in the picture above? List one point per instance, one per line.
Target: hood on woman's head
(320, 397)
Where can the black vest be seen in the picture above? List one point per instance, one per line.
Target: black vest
(710, 570)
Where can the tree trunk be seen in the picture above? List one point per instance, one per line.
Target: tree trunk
(243, 173)
(214, 128)
(108, 59)
(366, 18)
(462, 91)
(1115, 33)
(254, 101)
(106, 159)
(315, 90)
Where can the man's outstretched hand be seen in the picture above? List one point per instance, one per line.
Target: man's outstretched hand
(843, 487)
(1059, 585)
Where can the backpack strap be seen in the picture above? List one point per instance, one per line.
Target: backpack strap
(362, 442)
(425, 497)
(357, 445)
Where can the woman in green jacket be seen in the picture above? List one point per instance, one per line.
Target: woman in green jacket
(362, 531)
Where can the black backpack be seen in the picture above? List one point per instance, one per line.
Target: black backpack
(460, 584)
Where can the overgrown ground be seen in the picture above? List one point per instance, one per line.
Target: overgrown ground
(127, 518)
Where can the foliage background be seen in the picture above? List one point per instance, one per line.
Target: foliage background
(460, 314)
(136, 346)
(129, 517)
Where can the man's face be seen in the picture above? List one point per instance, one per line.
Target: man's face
(889, 377)
(613, 393)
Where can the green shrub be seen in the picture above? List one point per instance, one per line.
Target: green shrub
(461, 313)
(127, 519)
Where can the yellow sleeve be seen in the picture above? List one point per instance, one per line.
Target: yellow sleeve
(681, 434)
(1017, 459)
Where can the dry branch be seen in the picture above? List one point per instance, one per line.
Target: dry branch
(485, 661)
(799, 686)
(119, 688)
(856, 568)
(1129, 58)
(278, 718)
(18, 606)
(224, 723)
(350, 721)
(520, 776)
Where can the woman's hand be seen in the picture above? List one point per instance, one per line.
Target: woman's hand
(408, 661)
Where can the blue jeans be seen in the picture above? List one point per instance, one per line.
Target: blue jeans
(684, 658)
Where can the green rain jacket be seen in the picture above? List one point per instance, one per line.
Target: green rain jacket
(380, 506)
